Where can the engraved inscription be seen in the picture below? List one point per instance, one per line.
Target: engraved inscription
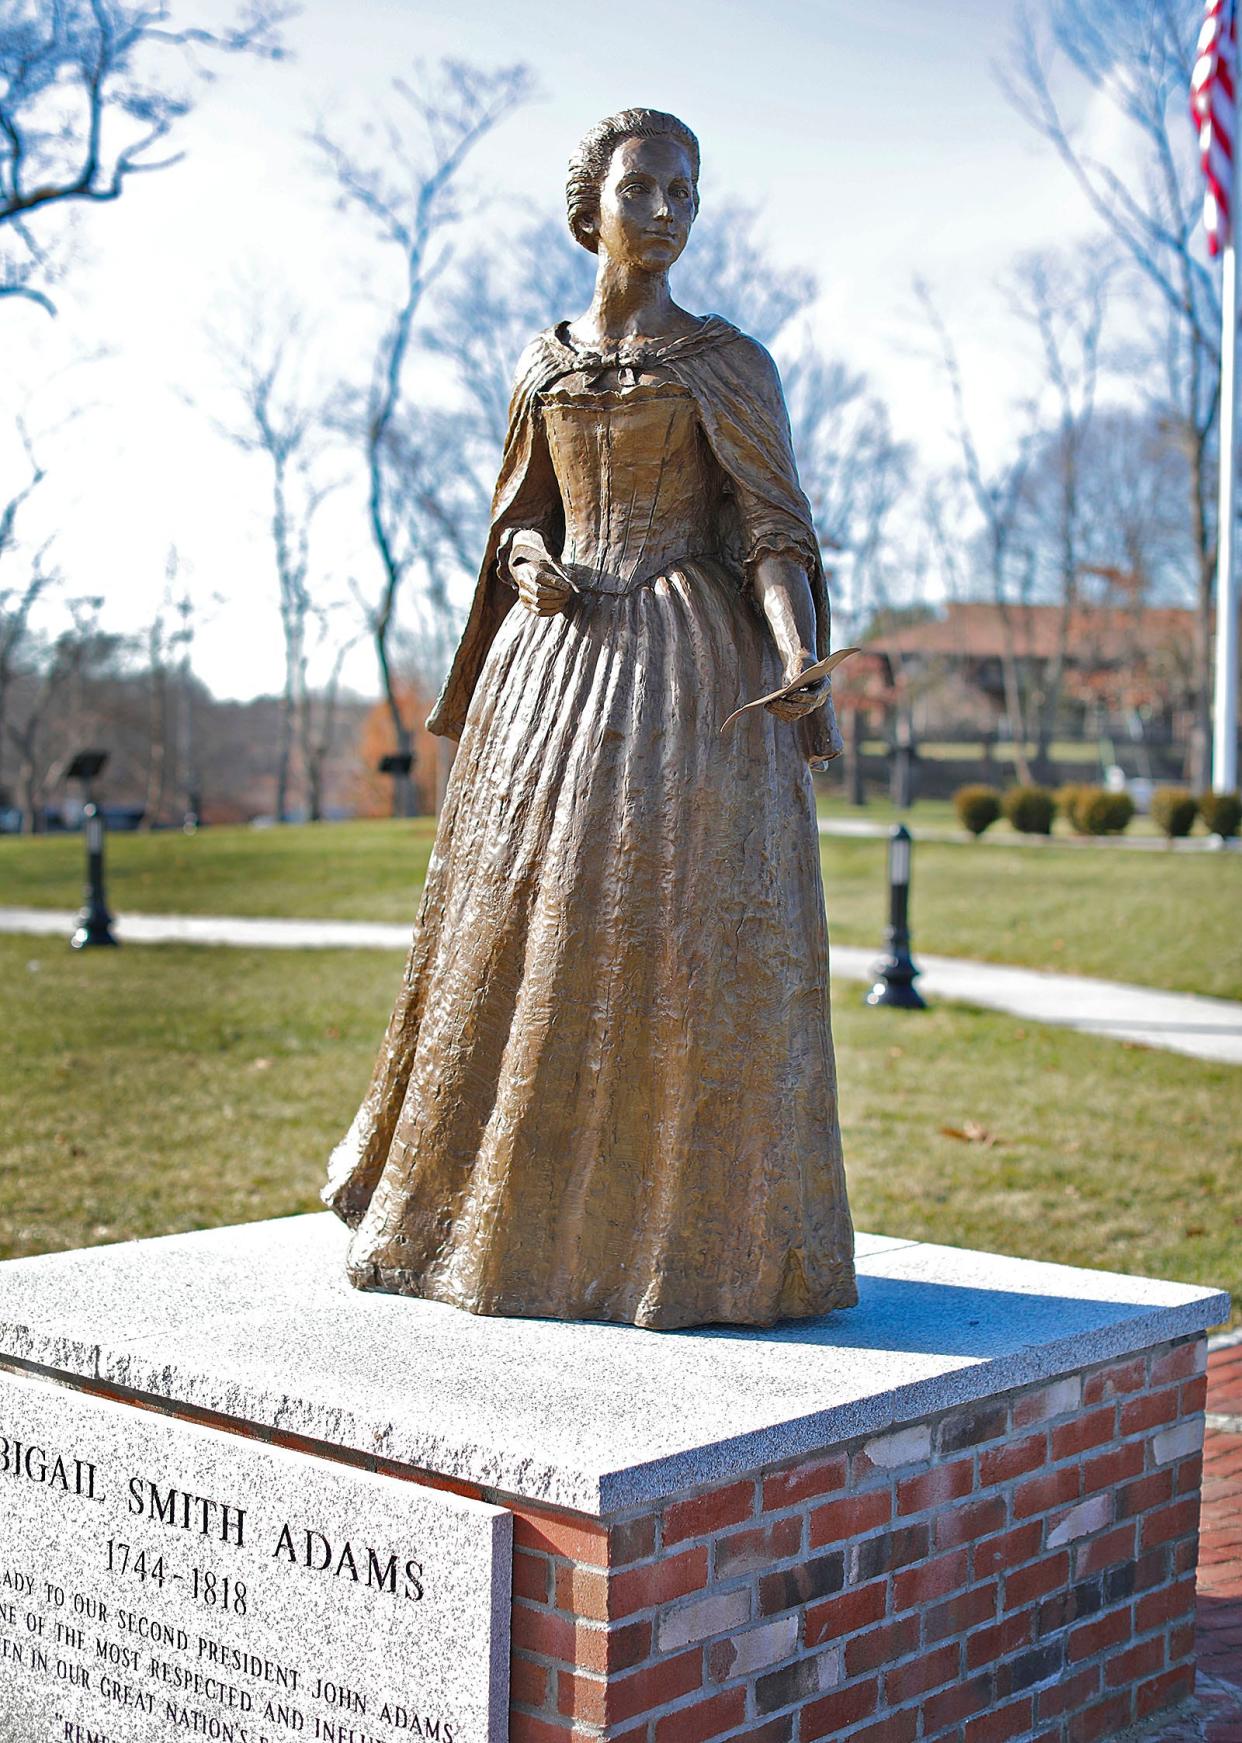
(159, 1580)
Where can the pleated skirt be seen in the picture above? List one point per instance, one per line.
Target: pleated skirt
(607, 1089)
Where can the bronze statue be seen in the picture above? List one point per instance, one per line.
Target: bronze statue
(607, 1090)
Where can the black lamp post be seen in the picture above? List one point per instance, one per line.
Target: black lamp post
(94, 922)
(897, 972)
(398, 764)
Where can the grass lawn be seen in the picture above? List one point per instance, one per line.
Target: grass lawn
(151, 1090)
(1160, 920)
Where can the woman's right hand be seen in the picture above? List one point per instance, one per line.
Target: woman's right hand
(543, 586)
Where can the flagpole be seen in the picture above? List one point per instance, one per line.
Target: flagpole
(1225, 711)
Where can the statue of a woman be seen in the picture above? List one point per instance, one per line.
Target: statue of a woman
(607, 1090)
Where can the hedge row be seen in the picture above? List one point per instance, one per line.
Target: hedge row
(1094, 810)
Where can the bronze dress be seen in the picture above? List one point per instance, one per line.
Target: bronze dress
(607, 1090)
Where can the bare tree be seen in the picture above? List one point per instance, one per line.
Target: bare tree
(284, 423)
(83, 109)
(319, 718)
(1065, 300)
(404, 179)
(51, 699)
(997, 495)
(1137, 56)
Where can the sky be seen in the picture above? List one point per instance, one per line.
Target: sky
(876, 146)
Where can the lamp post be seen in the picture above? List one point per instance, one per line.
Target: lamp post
(398, 764)
(897, 973)
(94, 922)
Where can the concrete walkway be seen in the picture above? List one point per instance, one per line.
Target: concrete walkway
(868, 829)
(1178, 1022)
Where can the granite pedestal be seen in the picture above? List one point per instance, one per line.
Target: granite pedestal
(966, 1509)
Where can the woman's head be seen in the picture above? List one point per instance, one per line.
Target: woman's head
(633, 188)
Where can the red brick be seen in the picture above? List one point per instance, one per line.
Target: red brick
(996, 1554)
(675, 1576)
(1165, 1690)
(1169, 1604)
(1143, 1659)
(837, 1617)
(610, 1650)
(580, 1591)
(1182, 1362)
(986, 1645)
(747, 1551)
(1094, 1428)
(526, 1728)
(943, 1483)
(1115, 1381)
(967, 1610)
(953, 1705)
(546, 1632)
(581, 1697)
(703, 1515)
(1101, 1634)
(1169, 1523)
(1112, 1467)
(1155, 1568)
(1180, 1643)
(1144, 1494)
(938, 1578)
(1148, 1410)
(851, 1517)
(634, 1540)
(777, 1730)
(1058, 1398)
(1050, 1489)
(706, 1719)
(528, 1681)
(532, 1576)
(1107, 1550)
(1026, 1584)
(803, 1483)
(583, 1540)
(892, 1728)
(880, 1646)
(930, 1670)
(968, 1523)
(1069, 1693)
(1002, 1722)
(1188, 1475)
(1185, 1556)
(1103, 1719)
(847, 1706)
(1193, 1396)
(1003, 1463)
(625, 1697)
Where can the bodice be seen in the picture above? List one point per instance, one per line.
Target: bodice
(636, 481)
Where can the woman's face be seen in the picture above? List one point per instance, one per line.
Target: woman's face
(646, 204)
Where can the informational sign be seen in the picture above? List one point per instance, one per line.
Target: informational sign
(161, 1580)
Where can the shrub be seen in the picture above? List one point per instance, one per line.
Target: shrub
(977, 808)
(1174, 810)
(1222, 812)
(1099, 812)
(1067, 800)
(1030, 809)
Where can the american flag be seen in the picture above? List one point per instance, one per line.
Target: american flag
(1212, 104)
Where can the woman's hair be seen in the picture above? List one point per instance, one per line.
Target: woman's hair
(589, 164)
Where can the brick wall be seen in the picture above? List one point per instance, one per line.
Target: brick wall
(1018, 1569)
(1023, 1568)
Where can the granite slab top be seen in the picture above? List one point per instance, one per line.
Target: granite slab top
(258, 1322)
